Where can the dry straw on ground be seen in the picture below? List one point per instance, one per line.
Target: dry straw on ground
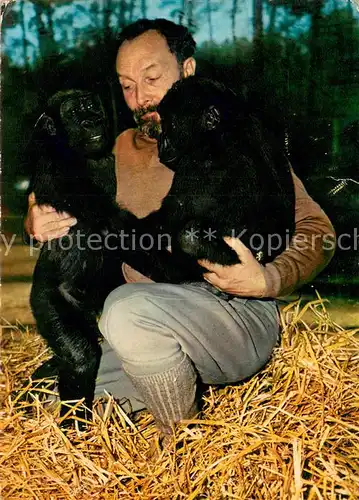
(292, 431)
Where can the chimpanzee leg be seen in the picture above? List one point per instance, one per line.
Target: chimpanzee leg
(72, 334)
(165, 267)
(202, 240)
(50, 368)
(156, 261)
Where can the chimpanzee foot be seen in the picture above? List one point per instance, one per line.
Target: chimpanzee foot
(78, 418)
(42, 386)
(201, 240)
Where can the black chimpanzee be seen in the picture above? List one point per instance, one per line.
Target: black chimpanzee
(229, 180)
(74, 171)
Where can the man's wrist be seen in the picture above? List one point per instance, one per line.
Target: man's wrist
(272, 280)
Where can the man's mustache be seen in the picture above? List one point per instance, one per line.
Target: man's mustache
(140, 112)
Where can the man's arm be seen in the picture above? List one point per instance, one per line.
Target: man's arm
(309, 252)
(43, 223)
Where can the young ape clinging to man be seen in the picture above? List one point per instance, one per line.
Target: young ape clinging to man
(229, 180)
(74, 172)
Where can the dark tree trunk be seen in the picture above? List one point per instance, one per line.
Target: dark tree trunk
(181, 12)
(144, 8)
(96, 16)
(257, 19)
(107, 11)
(190, 15)
(209, 18)
(258, 52)
(23, 30)
(272, 14)
(131, 10)
(315, 58)
(122, 14)
(233, 19)
(41, 31)
(50, 25)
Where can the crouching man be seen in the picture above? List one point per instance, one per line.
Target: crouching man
(164, 339)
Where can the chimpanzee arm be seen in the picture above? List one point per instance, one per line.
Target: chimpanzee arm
(202, 239)
(66, 185)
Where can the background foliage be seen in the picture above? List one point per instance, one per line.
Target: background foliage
(297, 59)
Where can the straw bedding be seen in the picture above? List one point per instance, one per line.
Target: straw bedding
(292, 431)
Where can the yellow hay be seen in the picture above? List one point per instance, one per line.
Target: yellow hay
(292, 431)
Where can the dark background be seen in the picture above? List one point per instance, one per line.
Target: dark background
(298, 61)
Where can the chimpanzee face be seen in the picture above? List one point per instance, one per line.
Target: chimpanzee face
(191, 115)
(85, 123)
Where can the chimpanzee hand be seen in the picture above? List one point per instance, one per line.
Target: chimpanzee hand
(245, 279)
(44, 223)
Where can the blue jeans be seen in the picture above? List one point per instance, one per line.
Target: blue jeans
(148, 328)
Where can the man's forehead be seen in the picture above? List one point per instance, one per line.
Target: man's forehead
(140, 65)
(143, 52)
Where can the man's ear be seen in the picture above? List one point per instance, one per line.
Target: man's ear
(211, 118)
(189, 67)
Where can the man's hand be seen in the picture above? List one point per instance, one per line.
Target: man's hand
(44, 223)
(245, 279)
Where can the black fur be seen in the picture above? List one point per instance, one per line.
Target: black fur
(228, 178)
(74, 173)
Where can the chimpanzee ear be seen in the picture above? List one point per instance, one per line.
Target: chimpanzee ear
(46, 124)
(212, 118)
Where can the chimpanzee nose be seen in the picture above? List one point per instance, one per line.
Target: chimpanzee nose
(87, 124)
(167, 152)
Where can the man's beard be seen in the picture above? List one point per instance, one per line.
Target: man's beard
(150, 126)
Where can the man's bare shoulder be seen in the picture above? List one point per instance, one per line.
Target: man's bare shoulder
(126, 137)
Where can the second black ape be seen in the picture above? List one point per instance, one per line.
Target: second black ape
(230, 180)
(74, 172)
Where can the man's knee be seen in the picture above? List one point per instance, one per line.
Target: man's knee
(118, 314)
(132, 324)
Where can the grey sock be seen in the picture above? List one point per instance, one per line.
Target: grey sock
(171, 395)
